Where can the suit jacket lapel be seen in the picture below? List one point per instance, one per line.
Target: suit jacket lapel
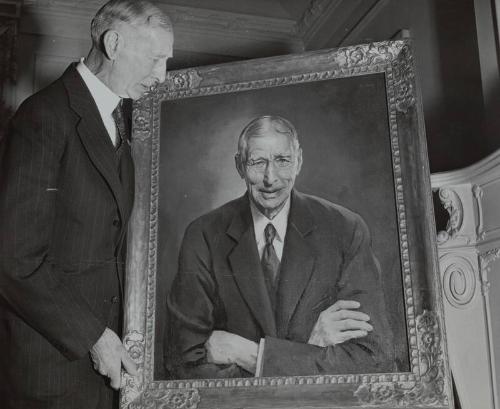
(297, 262)
(93, 134)
(245, 264)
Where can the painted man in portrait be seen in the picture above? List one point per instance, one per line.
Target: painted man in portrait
(276, 282)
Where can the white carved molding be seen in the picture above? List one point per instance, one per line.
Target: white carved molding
(477, 191)
(459, 279)
(468, 324)
(490, 294)
(486, 259)
(453, 205)
(469, 250)
(478, 188)
(461, 229)
(479, 173)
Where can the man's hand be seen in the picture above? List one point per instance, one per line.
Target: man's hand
(108, 355)
(227, 348)
(339, 323)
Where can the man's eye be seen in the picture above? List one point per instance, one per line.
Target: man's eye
(257, 163)
(283, 162)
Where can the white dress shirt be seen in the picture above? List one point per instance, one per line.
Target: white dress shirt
(280, 222)
(105, 99)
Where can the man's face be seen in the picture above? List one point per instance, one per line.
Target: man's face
(270, 171)
(142, 60)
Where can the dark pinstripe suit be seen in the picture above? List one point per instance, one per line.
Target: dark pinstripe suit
(65, 200)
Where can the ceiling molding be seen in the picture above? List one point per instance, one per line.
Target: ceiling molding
(196, 29)
(356, 32)
(245, 25)
(316, 15)
(334, 23)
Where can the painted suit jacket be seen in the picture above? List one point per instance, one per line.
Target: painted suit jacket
(220, 286)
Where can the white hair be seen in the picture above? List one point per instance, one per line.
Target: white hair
(134, 12)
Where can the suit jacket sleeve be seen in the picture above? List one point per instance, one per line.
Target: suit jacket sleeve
(194, 312)
(360, 281)
(29, 283)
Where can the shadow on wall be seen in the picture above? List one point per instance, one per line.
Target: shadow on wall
(44, 52)
(455, 128)
(491, 121)
(27, 48)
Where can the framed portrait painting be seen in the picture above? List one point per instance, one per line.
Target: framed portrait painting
(216, 315)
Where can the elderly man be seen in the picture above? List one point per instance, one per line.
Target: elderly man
(67, 185)
(270, 284)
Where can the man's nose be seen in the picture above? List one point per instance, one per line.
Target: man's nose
(160, 71)
(270, 173)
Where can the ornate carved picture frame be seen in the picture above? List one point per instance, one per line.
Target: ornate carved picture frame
(360, 86)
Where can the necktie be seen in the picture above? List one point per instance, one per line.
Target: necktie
(120, 125)
(270, 262)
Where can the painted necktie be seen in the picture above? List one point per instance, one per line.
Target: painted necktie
(270, 262)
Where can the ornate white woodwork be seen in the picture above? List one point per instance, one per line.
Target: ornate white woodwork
(469, 257)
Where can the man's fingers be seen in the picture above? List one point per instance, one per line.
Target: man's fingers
(128, 364)
(349, 314)
(210, 358)
(344, 305)
(115, 378)
(114, 372)
(96, 366)
(350, 324)
(347, 335)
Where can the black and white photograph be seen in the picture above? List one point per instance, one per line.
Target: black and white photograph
(259, 204)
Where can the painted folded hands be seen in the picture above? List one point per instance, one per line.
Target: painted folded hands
(335, 325)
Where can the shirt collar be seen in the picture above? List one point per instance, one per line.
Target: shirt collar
(280, 221)
(105, 99)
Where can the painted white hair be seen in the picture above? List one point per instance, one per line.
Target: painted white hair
(261, 126)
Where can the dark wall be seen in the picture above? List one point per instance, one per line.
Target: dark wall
(447, 58)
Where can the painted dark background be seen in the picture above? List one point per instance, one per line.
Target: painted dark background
(343, 131)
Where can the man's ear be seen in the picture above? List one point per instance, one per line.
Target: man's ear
(239, 165)
(299, 160)
(111, 40)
